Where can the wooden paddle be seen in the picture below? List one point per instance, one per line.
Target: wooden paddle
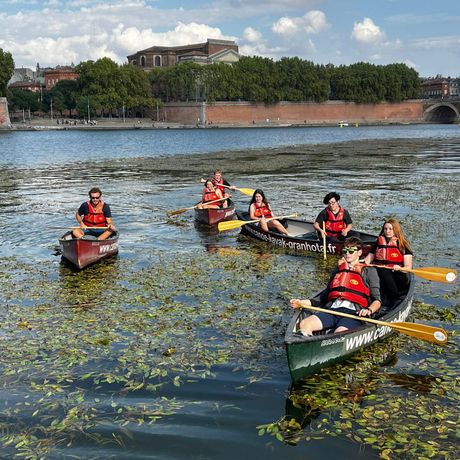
(181, 210)
(246, 191)
(421, 331)
(440, 274)
(324, 240)
(70, 228)
(231, 224)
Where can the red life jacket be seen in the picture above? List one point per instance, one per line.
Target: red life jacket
(388, 253)
(335, 223)
(348, 284)
(95, 216)
(209, 196)
(219, 185)
(262, 210)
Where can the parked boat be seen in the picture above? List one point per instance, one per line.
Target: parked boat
(87, 250)
(306, 355)
(302, 236)
(212, 216)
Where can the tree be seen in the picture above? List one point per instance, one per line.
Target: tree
(6, 70)
(23, 99)
(66, 90)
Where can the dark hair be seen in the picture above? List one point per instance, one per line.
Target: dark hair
(206, 183)
(331, 195)
(95, 190)
(253, 199)
(353, 241)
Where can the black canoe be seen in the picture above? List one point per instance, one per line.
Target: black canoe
(302, 236)
(87, 250)
(212, 216)
(306, 355)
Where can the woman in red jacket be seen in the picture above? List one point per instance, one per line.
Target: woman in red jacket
(260, 208)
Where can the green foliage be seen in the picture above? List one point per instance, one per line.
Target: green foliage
(6, 70)
(368, 83)
(25, 100)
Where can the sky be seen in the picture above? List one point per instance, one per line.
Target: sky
(424, 34)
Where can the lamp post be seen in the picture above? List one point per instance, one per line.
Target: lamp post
(89, 119)
(51, 107)
(123, 112)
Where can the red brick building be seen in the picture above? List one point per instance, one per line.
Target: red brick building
(435, 88)
(52, 76)
(202, 53)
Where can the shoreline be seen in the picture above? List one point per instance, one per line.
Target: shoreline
(142, 124)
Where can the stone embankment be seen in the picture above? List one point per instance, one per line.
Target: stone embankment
(241, 114)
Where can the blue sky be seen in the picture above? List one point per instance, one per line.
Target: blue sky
(424, 34)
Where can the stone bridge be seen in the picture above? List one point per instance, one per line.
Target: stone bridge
(442, 110)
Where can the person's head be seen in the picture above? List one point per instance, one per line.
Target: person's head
(218, 174)
(209, 185)
(258, 196)
(392, 228)
(95, 195)
(352, 249)
(332, 200)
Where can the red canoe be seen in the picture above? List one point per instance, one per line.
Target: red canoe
(87, 250)
(212, 216)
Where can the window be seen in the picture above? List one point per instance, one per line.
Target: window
(157, 61)
(142, 61)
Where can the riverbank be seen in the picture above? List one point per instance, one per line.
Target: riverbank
(146, 124)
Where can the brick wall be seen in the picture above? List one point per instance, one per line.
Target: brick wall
(286, 112)
(4, 115)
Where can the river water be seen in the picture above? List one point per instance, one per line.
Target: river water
(174, 349)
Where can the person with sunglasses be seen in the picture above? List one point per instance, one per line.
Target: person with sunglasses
(92, 214)
(352, 288)
(337, 220)
(392, 250)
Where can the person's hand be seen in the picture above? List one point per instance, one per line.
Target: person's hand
(396, 268)
(111, 227)
(365, 312)
(232, 187)
(344, 232)
(83, 226)
(298, 303)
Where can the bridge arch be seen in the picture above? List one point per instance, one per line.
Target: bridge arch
(442, 112)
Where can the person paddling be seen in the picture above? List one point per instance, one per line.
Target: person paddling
(352, 288)
(392, 250)
(93, 214)
(218, 181)
(210, 193)
(337, 220)
(259, 208)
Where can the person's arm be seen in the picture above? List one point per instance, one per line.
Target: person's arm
(81, 212)
(232, 187)
(318, 224)
(108, 216)
(252, 210)
(371, 278)
(370, 257)
(348, 223)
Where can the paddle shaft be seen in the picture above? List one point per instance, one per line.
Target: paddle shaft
(421, 331)
(440, 274)
(231, 224)
(324, 240)
(245, 191)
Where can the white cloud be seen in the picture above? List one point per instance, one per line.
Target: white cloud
(312, 22)
(367, 32)
(252, 35)
(315, 22)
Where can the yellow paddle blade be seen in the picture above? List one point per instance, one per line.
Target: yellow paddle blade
(440, 274)
(230, 225)
(246, 191)
(421, 331)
